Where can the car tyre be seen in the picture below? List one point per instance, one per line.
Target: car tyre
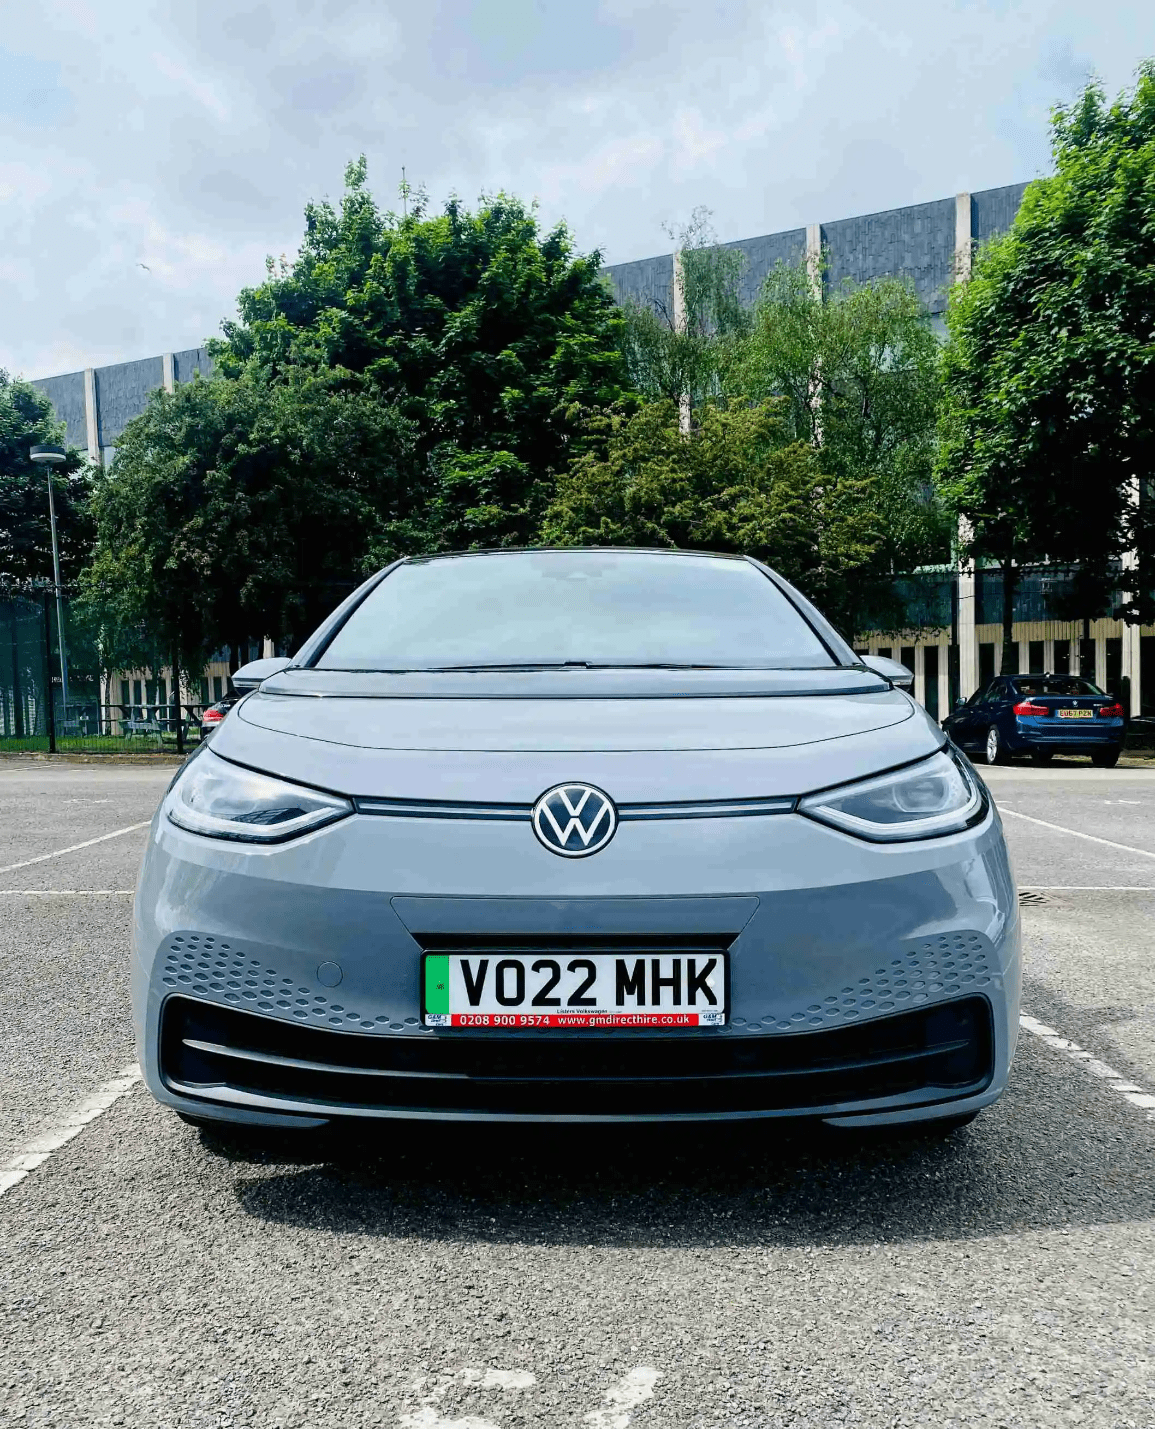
(1105, 758)
(996, 750)
(1042, 756)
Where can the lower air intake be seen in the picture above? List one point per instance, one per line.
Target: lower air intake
(228, 1056)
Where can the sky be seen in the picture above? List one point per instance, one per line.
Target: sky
(152, 155)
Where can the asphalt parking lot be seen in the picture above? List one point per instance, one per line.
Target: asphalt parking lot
(752, 1276)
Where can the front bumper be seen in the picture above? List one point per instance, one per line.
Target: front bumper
(868, 983)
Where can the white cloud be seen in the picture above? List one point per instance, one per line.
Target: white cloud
(189, 137)
(204, 93)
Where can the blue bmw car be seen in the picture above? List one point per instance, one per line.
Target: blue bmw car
(1039, 715)
(583, 836)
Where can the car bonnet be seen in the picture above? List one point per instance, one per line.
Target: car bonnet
(818, 728)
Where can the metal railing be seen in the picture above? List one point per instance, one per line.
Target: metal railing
(86, 727)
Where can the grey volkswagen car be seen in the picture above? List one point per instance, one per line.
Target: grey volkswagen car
(576, 836)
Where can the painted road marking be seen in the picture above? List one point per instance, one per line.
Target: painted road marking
(74, 848)
(430, 1417)
(1059, 829)
(1115, 1080)
(502, 1378)
(65, 892)
(627, 1394)
(41, 1147)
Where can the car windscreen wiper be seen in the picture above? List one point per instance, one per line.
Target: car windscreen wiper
(577, 665)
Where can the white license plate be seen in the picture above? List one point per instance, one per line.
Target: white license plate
(1075, 714)
(574, 989)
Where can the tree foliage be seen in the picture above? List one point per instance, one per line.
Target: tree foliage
(1048, 424)
(405, 385)
(478, 329)
(687, 347)
(858, 372)
(26, 420)
(239, 508)
(735, 483)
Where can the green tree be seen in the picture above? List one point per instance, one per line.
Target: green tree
(26, 419)
(238, 508)
(859, 374)
(477, 328)
(1048, 427)
(689, 354)
(735, 482)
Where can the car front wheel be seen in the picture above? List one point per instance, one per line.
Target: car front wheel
(996, 750)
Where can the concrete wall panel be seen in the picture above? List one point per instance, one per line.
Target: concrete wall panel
(993, 210)
(915, 243)
(648, 281)
(762, 254)
(122, 392)
(66, 393)
(193, 360)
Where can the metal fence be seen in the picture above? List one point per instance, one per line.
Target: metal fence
(1058, 627)
(87, 727)
(25, 681)
(34, 717)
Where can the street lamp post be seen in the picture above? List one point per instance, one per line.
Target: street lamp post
(49, 457)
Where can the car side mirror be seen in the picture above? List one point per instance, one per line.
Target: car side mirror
(958, 704)
(250, 676)
(891, 671)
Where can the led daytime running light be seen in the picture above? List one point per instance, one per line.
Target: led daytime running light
(937, 796)
(222, 800)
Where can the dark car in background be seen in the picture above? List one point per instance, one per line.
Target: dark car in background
(1040, 715)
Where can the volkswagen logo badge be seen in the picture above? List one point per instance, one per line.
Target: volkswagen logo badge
(574, 820)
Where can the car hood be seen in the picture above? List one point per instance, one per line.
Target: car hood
(637, 747)
(549, 725)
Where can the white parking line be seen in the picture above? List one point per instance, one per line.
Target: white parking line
(65, 892)
(627, 1394)
(74, 848)
(433, 1388)
(1059, 829)
(430, 1418)
(41, 1147)
(1113, 1079)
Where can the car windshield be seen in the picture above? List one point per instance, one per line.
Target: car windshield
(535, 609)
(1063, 685)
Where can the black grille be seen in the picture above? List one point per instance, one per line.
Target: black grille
(937, 1053)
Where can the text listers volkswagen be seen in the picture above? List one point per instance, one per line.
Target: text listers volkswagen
(576, 835)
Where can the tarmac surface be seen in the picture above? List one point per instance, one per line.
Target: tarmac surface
(151, 1275)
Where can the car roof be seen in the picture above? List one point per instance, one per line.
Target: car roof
(573, 551)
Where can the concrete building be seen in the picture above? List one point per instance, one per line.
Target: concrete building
(98, 403)
(932, 245)
(921, 242)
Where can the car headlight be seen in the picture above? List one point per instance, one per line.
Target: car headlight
(939, 795)
(224, 801)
